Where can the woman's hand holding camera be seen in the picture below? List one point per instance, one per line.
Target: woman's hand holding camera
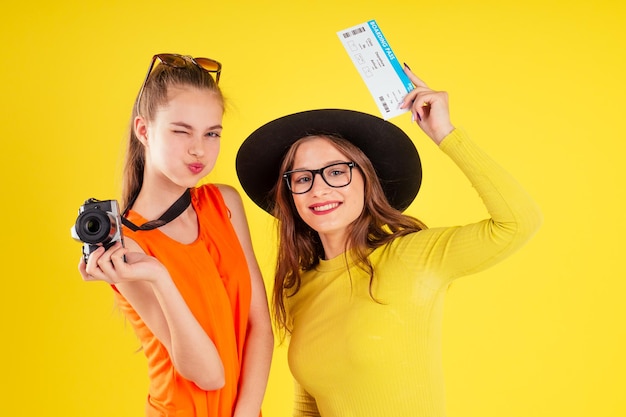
(117, 265)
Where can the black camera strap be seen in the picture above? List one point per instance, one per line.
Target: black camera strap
(170, 214)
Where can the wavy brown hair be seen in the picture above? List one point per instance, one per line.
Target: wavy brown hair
(154, 95)
(299, 246)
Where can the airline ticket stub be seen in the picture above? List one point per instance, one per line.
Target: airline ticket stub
(374, 59)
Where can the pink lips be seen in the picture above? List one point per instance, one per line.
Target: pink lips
(324, 208)
(196, 168)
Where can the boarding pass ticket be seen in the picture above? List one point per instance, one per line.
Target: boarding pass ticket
(373, 58)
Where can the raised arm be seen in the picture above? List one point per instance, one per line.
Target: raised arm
(514, 216)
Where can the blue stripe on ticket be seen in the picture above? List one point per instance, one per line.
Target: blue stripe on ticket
(389, 52)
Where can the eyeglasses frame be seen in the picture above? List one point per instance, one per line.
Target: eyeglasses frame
(319, 171)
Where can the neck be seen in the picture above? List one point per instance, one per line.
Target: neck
(152, 202)
(334, 244)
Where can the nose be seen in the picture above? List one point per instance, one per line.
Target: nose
(196, 147)
(319, 186)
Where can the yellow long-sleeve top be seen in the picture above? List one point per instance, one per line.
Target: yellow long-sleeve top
(353, 356)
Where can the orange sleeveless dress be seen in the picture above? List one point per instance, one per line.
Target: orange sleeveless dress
(213, 278)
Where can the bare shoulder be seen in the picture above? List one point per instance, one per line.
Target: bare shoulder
(233, 201)
(232, 198)
(228, 190)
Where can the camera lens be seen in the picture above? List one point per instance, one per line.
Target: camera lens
(92, 226)
(95, 227)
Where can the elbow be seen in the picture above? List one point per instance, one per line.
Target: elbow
(207, 379)
(533, 222)
(515, 234)
(526, 224)
(210, 382)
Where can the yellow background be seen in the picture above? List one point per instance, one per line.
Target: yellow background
(538, 84)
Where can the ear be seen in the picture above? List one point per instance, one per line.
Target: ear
(141, 130)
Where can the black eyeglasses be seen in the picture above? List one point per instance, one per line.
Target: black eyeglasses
(180, 61)
(300, 181)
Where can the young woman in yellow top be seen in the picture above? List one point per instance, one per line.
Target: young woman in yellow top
(190, 286)
(359, 286)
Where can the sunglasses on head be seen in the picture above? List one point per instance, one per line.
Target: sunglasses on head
(181, 61)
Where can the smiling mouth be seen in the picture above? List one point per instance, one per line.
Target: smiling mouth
(325, 207)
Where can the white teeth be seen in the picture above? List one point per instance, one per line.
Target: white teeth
(326, 207)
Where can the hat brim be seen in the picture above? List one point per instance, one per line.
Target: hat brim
(391, 151)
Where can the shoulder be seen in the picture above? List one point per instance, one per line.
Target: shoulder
(231, 198)
(404, 249)
(222, 196)
(209, 198)
(237, 214)
(229, 193)
(220, 191)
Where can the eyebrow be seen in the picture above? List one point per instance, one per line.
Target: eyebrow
(328, 163)
(188, 126)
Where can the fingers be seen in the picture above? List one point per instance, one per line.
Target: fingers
(418, 97)
(82, 269)
(428, 108)
(117, 255)
(91, 266)
(89, 270)
(111, 259)
(422, 100)
(103, 265)
(414, 78)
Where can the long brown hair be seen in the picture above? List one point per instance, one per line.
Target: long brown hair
(299, 246)
(154, 95)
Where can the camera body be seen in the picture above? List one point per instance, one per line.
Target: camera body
(99, 223)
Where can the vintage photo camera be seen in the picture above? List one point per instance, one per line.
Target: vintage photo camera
(98, 224)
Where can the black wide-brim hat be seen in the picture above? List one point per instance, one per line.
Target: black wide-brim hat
(391, 151)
